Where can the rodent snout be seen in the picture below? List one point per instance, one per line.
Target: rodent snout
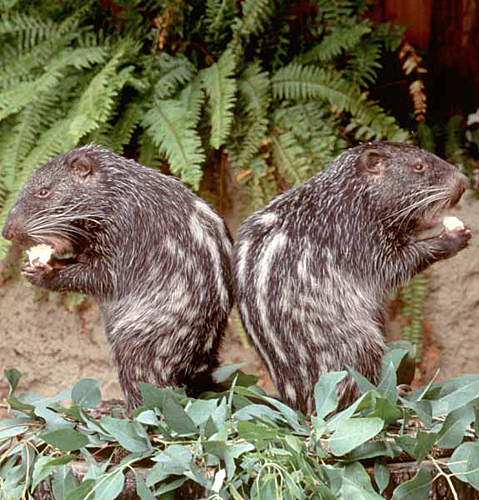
(13, 230)
(458, 189)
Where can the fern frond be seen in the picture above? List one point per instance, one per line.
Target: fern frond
(258, 188)
(364, 63)
(218, 17)
(289, 157)
(149, 154)
(335, 12)
(15, 99)
(193, 98)
(170, 129)
(174, 72)
(33, 28)
(254, 96)
(124, 128)
(368, 120)
(97, 101)
(255, 86)
(220, 87)
(336, 42)
(298, 82)
(254, 15)
(315, 128)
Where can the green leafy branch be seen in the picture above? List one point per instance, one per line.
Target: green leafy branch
(241, 443)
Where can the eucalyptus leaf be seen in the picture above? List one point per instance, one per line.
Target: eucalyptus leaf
(364, 385)
(416, 488)
(168, 486)
(63, 482)
(394, 354)
(41, 470)
(61, 460)
(423, 409)
(86, 393)
(381, 475)
(226, 372)
(109, 486)
(424, 443)
(13, 377)
(11, 431)
(126, 434)
(456, 393)
(53, 420)
(325, 392)
(228, 453)
(142, 490)
(155, 397)
(177, 418)
(370, 450)
(16, 404)
(406, 443)
(257, 411)
(175, 460)
(353, 433)
(337, 420)
(387, 385)
(82, 491)
(65, 439)
(464, 463)
(386, 410)
(455, 426)
(200, 410)
(148, 417)
(357, 483)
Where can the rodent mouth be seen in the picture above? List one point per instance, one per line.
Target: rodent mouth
(430, 221)
(56, 252)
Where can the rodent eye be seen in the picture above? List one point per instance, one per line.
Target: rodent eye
(419, 167)
(43, 192)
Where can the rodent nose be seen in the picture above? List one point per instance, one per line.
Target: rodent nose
(7, 231)
(465, 182)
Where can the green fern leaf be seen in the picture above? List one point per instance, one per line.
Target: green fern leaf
(254, 15)
(290, 157)
(337, 42)
(149, 153)
(298, 82)
(220, 87)
(95, 104)
(174, 72)
(193, 98)
(124, 128)
(254, 86)
(254, 95)
(176, 138)
(218, 17)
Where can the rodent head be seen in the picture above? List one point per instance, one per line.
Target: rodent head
(55, 204)
(409, 186)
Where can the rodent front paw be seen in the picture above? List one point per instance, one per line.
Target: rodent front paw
(457, 239)
(37, 272)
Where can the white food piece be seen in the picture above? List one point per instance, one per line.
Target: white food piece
(452, 223)
(40, 253)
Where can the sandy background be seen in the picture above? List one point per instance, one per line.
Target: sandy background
(54, 347)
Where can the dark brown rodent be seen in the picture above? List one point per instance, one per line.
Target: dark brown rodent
(155, 257)
(314, 268)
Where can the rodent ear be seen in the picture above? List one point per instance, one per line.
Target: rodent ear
(80, 164)
(372, 161)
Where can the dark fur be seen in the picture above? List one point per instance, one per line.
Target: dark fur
(154, 255)
(313, 269)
